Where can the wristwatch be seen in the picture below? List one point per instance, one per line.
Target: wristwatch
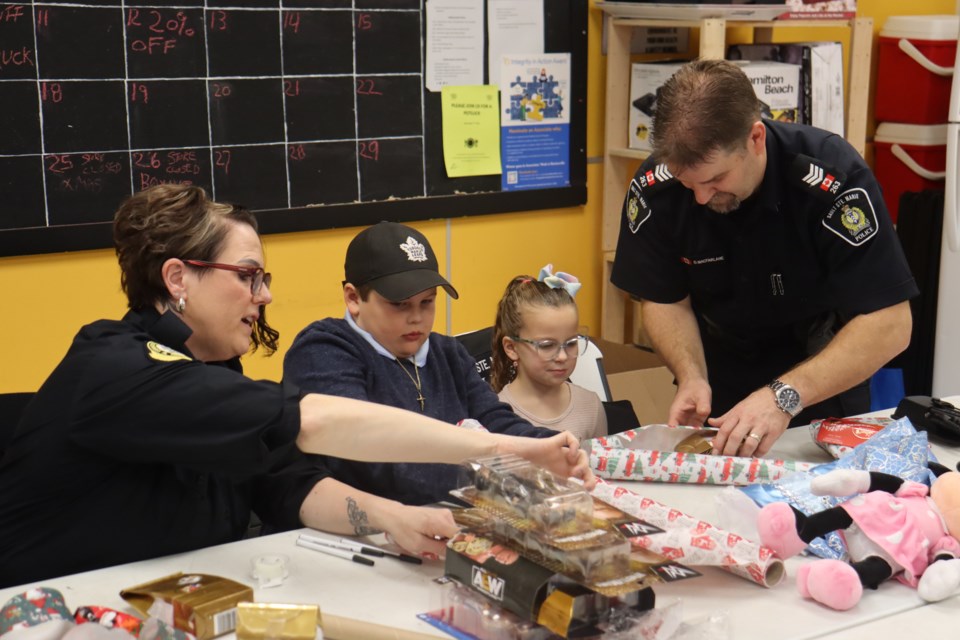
(788, 398)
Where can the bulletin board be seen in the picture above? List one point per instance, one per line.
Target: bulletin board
(312, 113)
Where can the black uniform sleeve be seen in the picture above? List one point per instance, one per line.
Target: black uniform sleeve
(279, 493)
(647, 264)
(856, 239)
(134, 406)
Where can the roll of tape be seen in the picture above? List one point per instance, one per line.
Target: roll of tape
(270, 569)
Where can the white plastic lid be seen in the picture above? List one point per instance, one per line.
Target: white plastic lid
(920, 134)
(935, 27)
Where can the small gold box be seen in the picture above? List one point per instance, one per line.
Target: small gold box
(200, 604)
(271, 621)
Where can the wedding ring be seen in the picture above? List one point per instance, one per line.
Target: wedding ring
(755, 436)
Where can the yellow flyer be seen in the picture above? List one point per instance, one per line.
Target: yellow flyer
(471, 130)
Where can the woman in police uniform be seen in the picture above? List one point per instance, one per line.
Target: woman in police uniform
(148, 440)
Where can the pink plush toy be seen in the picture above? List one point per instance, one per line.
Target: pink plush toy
(892, 529)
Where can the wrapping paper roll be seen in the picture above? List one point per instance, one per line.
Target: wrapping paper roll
(648, 454)
(695, 542)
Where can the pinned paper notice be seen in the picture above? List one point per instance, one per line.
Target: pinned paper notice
(471, 130)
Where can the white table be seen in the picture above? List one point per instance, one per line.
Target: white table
(370, 603)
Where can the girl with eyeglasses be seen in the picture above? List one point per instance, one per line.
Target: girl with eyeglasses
(535, 349)
(148, 440)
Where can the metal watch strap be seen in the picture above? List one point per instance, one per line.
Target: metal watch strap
(776, 386)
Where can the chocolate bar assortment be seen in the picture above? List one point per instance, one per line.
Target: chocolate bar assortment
(545, 550)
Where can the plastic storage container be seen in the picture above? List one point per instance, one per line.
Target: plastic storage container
(909, 157)
(915, 68)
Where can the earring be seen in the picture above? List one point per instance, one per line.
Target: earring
(181, 305)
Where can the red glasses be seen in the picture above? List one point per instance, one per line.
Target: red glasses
(257, 276)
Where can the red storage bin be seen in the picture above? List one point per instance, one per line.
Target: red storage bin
(909, 157)
(915, 66)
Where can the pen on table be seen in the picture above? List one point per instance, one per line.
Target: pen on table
(339, 553)
(344, 545)
(390, 554)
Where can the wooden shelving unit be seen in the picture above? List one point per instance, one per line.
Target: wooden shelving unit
(619, 161)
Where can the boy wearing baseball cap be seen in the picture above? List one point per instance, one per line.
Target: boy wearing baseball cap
(384, 350)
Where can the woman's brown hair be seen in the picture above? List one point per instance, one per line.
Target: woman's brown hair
(175, 221)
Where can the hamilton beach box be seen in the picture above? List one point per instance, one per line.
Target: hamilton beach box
(916, 60)
(909, 157)
(777, 85)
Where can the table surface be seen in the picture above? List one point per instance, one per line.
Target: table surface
(358, 601)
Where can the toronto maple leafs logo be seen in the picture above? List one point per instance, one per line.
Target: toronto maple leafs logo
(415, 251)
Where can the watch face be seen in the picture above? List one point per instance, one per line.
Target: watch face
(788, 398)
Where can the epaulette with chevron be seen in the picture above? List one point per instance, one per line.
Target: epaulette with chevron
(816, 178)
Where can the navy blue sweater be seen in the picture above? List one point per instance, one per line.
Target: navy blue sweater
(330, 357)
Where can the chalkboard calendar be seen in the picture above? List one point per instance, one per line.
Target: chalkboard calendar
(313, 113)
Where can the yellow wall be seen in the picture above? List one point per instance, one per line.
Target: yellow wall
(47, 298)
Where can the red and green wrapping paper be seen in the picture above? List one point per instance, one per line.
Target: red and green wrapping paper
(647, 454)
(694, 542)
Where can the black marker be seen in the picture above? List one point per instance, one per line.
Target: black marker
(403, 557)
(339, 553)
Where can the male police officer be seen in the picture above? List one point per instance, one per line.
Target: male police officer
(770, 275)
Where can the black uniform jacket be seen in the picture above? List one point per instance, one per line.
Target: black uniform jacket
(133, 449)
(771, 281)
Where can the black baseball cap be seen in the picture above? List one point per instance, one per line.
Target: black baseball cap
(397, 261)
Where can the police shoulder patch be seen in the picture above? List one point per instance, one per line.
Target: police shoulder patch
(636, 208)
(816, 178)
(852, 217)
(163, 353)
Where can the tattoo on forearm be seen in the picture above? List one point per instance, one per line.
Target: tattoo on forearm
(358, 519)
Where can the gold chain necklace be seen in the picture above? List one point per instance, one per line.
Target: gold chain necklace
(416, 382)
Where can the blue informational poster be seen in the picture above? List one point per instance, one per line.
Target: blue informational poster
(535, 121)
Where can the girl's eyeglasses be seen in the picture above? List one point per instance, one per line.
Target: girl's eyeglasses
(550, 349)
(258, 277)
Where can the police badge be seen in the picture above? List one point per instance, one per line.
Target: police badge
(635, 208)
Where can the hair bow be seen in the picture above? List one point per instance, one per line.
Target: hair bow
(559, 280)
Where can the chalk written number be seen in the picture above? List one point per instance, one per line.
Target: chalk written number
(59, 163)
(139, 91)
(218, 20)
(366, 87)
(370, 150)
(221, 90)
(51, 91)
(222, 160)
(146, 160)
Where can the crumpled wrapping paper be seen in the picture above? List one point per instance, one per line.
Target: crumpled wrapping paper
(840, 436)
(692, 541)
(648, 454)
(898, 449)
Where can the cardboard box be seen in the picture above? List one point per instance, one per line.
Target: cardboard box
(821, 77)
(639, 376)
(645, 79)
(777, 85)
(198, 603)
(823, 9)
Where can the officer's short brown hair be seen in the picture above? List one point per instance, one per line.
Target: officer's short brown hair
(174, 221)
(707, 106)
